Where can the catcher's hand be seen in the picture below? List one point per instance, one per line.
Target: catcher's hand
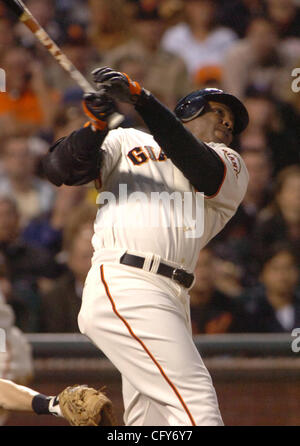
(117, 85)
(84, 406)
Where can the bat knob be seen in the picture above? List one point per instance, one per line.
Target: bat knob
(115, 120)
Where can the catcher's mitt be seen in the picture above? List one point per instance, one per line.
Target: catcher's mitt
(84, 406)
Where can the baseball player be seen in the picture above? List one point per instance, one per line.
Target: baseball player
(80, 405)
(135, 304)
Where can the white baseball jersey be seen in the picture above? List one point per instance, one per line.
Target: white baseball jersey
(135, 171)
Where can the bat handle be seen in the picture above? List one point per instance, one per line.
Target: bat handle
(114, 120)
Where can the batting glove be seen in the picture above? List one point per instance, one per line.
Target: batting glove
(117, 85)
(98, 107)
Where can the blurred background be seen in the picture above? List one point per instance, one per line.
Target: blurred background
(246, 299)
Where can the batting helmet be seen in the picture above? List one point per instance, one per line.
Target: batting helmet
(194, 104)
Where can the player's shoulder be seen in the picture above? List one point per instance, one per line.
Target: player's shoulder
(222, 149)
(230, 156)
(131, 135)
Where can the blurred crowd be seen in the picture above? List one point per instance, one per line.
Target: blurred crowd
(247, 279)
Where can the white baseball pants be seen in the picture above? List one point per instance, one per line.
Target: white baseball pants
(141, 323)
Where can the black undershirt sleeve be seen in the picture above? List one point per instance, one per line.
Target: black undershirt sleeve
(76, 159)
(199, 163)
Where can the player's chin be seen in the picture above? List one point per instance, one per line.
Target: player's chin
(223, 137)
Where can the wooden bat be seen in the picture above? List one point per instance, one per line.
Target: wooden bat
(25, 16)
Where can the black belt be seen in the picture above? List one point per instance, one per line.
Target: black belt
(178, 275)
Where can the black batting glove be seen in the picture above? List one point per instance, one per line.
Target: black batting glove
(98, 107)
(117, 85)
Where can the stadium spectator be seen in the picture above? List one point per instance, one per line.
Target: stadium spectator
(273, 306)
(109, 24)
(68, 117)
(82, 217)
(273, 127)
(234, 243)
(144, 59)
(44, 12)
(285, 14)
(199, 41)
(33, 195)
(257, 61)
(26, 266)
(77, 47)
(61, 305)
(171, 11)
(280, 221)
(7, 37)
(259, 189)
(237, 14)
(208, 77)
(28, 105)
(71, 11)
(211, 310)
(46, 231)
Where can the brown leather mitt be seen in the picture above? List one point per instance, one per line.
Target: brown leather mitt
(84, 406)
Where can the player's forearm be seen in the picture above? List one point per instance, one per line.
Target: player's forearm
(15, 397)
(198, 162)
(76, 159)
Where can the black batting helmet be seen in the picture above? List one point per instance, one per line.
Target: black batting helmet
(194, 104)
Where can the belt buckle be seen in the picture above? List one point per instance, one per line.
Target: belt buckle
(182, 277)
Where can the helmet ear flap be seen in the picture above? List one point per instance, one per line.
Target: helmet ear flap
(190, 109)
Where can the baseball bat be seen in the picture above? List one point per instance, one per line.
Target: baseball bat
(25, 16)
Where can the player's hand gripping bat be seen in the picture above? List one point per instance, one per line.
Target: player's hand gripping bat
(25, 16)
